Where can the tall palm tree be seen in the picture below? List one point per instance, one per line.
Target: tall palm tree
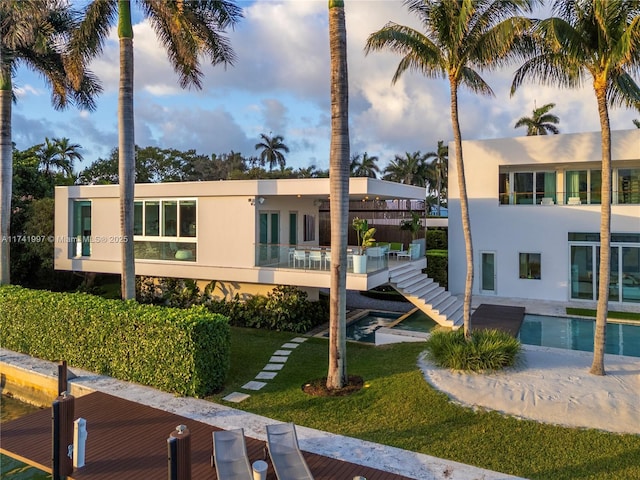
(33, 33)
(437, 169)
(339, 196)
(410, 169)
(58, 155)
(364, 165)
(460, 37)
(68, 154)
(596, 40)
(272, 148)
(187, 30)
(541, 122)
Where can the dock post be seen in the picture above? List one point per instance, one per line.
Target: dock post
(62, 412)
(179, 453)
(62, 377)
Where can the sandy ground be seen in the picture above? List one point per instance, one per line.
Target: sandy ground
(553, 386)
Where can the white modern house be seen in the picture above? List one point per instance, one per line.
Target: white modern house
(248, 235)
(534, 205)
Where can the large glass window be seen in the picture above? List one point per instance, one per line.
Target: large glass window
(165, 229)
(523, 188)
(309, 228)
(81, 228)
(527, 188)
(624, 276)
(583, 186)
(628, 185)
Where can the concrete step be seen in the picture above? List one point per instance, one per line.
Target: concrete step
(417, 285)
(426, 288)
(441, 307)
(401, 279)
(452, 309)
(433, 295)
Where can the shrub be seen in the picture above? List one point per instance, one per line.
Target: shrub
(437, 239)
(437, 267)
(186, 351)
(487, 350)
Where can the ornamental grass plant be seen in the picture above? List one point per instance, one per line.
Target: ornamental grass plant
(487, 350)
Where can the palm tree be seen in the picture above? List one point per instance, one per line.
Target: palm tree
(272, 148)
(541, 122)
(437, 169)
(187, 30)
(58, 154)
(594, 40)
(33, 33)
(460, 37)
(410, 169)
(364, 165)
(339, 196)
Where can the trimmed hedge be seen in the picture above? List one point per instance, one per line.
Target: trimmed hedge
(185, 351)
(438, 266)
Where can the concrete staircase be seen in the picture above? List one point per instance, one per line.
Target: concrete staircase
(427, 295)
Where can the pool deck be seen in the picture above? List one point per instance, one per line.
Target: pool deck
(498, 317)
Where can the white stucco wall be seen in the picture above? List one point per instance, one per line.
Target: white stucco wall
(509, 230)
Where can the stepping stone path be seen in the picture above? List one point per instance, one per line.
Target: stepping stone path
(269, 372)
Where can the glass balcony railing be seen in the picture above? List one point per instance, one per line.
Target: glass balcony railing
(175, 251)
(581, 197)
(315, 258)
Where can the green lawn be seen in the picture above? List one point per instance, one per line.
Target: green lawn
(397, 407)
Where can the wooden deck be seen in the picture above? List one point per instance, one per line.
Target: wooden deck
(498, 317)
(127, 440)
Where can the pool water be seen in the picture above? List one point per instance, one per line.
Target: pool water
(364, 328)
(577, 334)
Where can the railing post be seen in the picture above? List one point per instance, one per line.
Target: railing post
(179, 453)
(62, 436)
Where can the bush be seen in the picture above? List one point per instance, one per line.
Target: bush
(437, 239)
(285, 308)
(183, 351)
(438, 266)
(487, 350)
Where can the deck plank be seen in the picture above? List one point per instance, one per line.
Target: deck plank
(127, 440)
(498, 317)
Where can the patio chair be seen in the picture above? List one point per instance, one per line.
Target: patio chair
(230, 455)
(286, 457)
(315, 256)
(300, 256)
(408, 254)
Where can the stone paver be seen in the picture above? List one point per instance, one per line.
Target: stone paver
(290, 345)
(282, 352)
(274, 366)
(278, 359)
(266, 375)
(299, 339)
(253, 385)
(236, 397)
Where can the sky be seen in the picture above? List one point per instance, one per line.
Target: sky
(279, 85)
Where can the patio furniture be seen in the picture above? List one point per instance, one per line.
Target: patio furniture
(230, 455)
(546, 201)
(376, 254)
(574, 201)
(286, 457)
(315, 256)
(326, 256)
(408, 254)
(300, 256)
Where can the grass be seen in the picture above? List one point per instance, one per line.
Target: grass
(397, 407)
(588, 312)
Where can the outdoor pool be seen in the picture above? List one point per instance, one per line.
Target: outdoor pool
(577, 334)
(547, 331)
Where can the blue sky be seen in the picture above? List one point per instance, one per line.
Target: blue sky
(280, 85)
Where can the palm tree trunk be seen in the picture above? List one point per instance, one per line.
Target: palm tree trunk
(604, 271)
(126, 146)
(6, 172)
(464, 209)
(339, 200)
